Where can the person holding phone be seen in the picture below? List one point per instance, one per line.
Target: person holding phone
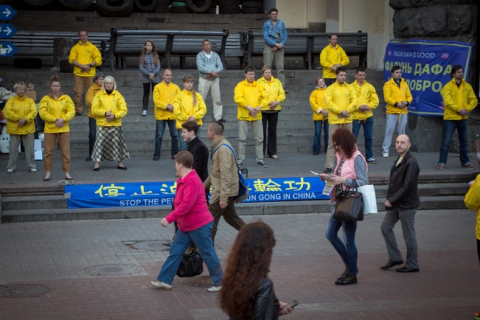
(247, 291)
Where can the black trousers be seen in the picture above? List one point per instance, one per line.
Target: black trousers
(478, 249)
(92, 135)
(270, 120)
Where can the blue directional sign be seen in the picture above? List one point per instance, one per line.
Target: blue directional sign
(7, 12)
(7, 31)
(7, 49)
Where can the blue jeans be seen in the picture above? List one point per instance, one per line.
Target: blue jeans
(449, 127)
(160, 129)
(346, 248)
(317, 144)
(367, 133)
(202, 238)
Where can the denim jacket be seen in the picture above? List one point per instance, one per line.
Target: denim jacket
(269, 32)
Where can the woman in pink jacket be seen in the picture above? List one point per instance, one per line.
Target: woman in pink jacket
(194, 226)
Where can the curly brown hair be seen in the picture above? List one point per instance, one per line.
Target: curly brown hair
(346, 140)
(248, 264)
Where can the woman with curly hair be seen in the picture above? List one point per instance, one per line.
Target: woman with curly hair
(150, 68)
(247, 291)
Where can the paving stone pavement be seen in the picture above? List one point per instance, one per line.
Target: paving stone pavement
(304, 267)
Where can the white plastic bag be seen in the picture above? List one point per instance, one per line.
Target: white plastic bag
(369, 199)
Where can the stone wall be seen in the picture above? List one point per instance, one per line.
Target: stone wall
(454, 20)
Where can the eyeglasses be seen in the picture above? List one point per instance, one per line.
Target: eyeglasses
(336, 145)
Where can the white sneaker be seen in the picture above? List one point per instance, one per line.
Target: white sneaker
(161, 285)
(10, 170)
(144, 113)
(214, 289)
(33, 170)
(385, 155)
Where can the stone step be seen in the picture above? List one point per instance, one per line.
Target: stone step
(268, 208)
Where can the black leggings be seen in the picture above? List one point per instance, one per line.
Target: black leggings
(146, 93)
(478, 249)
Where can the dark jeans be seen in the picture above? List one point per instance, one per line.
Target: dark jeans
(478, 249)
(449, 127)
(160, 129)
(317, 138)
(92, 135)
(146, 93)
(270, 119)
(367, 133)
(228, 213)
(329, 81)
(347, 248)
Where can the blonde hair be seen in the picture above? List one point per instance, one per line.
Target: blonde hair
(109, 79)
(19, 84)
(265, 68)
(189, 78)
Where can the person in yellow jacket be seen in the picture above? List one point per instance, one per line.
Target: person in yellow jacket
(458, 100)
(398, 97)
(367, 100)
(164, 95)
(92, 122)
(251, 98)
(56, 109)
(332, 57)
(188, 106)
(275, 93)
(85, 57)
(341, 101)
(320, 115)
(20, 112)
(108, 108)
(472, 201)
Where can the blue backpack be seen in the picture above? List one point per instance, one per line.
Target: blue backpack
(242, 182)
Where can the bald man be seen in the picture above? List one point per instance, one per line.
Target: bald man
(401, 204)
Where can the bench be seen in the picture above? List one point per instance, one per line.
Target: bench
(125, 43)
(308, 45)
(33, 44)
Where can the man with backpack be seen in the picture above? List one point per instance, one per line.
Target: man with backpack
(223, 179)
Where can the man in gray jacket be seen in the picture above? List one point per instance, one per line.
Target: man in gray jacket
(223, 179)
(209, 66)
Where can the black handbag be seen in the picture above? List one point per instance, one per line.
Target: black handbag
(349, 205)
(191, 265)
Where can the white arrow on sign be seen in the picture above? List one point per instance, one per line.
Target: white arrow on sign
(9, 49)
(7, 12)
(6, 30)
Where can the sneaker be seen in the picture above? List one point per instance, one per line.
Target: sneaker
(214, 289)
(33, 170)
(371, 160)
(161, 285)
(274, 156)
(239, 163)
(440, 167)
(385, 155)
(261, 164)
(10, 170)
(144, 112)
(468, 166)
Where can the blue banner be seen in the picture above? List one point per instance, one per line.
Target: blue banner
(147, 194)
(426, 67)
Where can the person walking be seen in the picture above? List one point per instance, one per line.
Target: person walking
(402, 204)
(351, 171)
(194, 226)
(56, 109)
(320, 116)
(150, 69)
(197, 148)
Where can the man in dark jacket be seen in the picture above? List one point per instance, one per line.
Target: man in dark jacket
(402, 203)
(197, 148)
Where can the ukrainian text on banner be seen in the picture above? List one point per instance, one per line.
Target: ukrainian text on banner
(140, 194)
(426, 67)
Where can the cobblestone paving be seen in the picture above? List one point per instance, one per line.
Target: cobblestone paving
(304, 267)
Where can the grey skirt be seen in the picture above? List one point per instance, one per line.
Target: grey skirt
(110, 145)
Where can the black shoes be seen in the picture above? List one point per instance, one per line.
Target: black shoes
(122, 168)
(349, 279)
(391, 264)
(156, 158)
(328, 170)
(221, 120)
(406, 270)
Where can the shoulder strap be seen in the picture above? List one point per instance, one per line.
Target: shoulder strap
(226, 145)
